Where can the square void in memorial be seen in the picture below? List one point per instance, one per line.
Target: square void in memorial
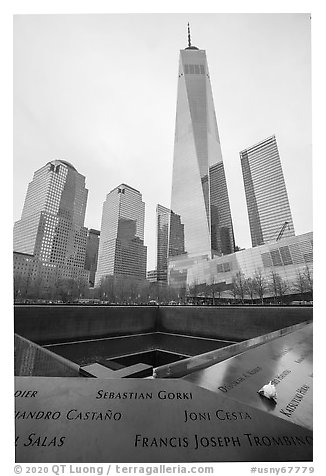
(153, 349)
(155, 358)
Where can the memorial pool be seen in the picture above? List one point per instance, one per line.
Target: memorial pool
(213, 413)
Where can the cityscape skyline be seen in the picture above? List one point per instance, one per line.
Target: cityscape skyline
(158, 191)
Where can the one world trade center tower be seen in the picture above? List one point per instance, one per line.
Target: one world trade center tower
(199, 191)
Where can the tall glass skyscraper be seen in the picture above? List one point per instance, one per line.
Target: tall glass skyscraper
(267, 200)
(199, 190)
(166, 247)
(162, 244)
(93, 240)
(51, 227)
(121, 249)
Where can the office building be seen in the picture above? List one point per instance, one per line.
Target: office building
(93, 240)
(268, 206)
(170, 239)
(286, 258)
(199, 189)
(121, 248)
(51, 227)
(162, 236)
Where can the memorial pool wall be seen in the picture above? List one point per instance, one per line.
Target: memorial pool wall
(50, 324)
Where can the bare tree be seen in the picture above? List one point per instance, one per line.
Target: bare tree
(217, 288)
(260, 284)
(154, 292)
(309, 279)
(278, 286)
(283, 288)
(194, 289)
(35, 287)
(82, 286)
(250, 288)
(205, 289)
(273, 285)
(241, 283)
(133, 287)
(144, 291)
(66, 289)
(106, 289)
(182, 294)
(238, 286)
(163, 292)
(121, 289)
(234, 288)
(300, 284)
(172, 293)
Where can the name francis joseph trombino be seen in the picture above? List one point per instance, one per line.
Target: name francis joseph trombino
(197, 441)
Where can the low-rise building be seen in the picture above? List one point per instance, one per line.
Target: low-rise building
(287, 259)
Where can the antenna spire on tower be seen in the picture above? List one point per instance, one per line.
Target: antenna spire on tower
(189, 39)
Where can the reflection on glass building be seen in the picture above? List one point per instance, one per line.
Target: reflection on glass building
(121, 249)
(199, 190)
(267, 200)
(93, 240)
(51, 228)
(286, 258)
(170, 239)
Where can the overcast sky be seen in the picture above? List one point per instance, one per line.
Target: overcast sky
(100, 91)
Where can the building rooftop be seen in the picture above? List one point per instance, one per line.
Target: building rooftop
(258, 144)
(95, 232)
(127, 186)
(65, 162)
